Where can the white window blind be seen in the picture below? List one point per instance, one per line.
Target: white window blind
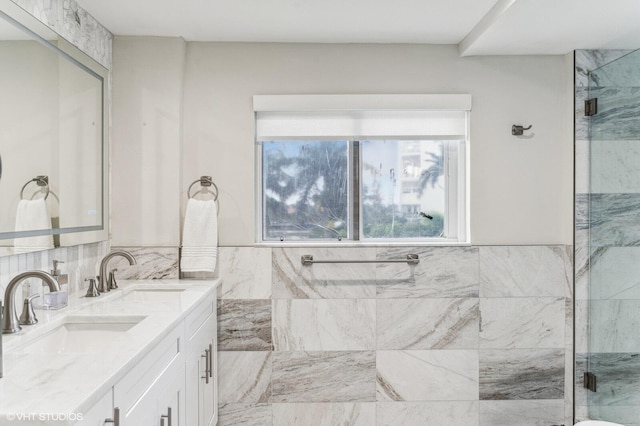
(361, 116)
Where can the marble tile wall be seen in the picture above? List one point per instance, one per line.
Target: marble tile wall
(607, 202)
(472, 335)
(152, 263)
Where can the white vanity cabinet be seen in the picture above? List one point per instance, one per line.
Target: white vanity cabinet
(201, 363)
(145, 355)
(173, 384)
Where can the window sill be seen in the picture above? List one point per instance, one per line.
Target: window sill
(361, 244)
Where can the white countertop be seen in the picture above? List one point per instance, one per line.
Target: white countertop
(45, 383)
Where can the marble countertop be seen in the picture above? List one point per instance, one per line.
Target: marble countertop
(42, 384)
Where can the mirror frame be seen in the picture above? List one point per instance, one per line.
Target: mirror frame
(41, 33)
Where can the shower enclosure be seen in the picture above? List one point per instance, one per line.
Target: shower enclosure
(614, 241)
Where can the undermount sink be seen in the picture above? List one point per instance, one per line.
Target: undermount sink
(153, 295)
(82, 334)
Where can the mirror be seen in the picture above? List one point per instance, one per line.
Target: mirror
(52, 138)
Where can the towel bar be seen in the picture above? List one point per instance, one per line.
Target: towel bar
(411, 259)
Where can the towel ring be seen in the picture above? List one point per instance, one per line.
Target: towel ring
(41, 181)
(205, 181)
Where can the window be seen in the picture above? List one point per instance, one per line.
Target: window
(305, 187)
(403, 188)
(360, 174)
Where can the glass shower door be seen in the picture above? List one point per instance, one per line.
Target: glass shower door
(614, 209)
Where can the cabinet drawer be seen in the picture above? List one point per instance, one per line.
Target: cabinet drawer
(135, 384)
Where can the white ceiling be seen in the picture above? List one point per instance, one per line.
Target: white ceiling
(478, 27)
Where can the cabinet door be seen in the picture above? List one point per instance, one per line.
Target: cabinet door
(208, 389)
(145, 413)
(203, 406)
(171, 401)
(211, 392)
(193, 375)
(214, 340)
(164, 398)
(202, 369)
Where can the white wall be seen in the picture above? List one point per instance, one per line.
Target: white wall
(146, 141)
(521, 188)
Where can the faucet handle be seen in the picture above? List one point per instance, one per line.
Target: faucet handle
(112, 280)
(28, 316)
(92, 291)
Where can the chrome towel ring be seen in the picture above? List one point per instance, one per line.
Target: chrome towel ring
(41, 181)
(205, 182)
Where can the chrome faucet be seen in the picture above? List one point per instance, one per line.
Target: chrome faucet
(9, 317)
(103, 286)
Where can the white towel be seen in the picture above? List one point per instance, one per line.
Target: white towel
(200, 236)
(32, 215)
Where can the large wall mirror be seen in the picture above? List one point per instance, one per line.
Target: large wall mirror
(53, 134)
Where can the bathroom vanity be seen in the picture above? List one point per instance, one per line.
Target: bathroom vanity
(144, 354)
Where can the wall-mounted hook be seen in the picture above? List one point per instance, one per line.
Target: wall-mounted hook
(517, 130)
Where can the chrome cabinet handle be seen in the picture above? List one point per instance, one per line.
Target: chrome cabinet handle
(206, 365)
(210, 365)
(166, 416)
(116, 417)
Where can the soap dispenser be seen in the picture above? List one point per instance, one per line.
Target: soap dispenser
(63, 279)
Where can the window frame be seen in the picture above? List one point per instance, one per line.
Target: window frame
(456, 168)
